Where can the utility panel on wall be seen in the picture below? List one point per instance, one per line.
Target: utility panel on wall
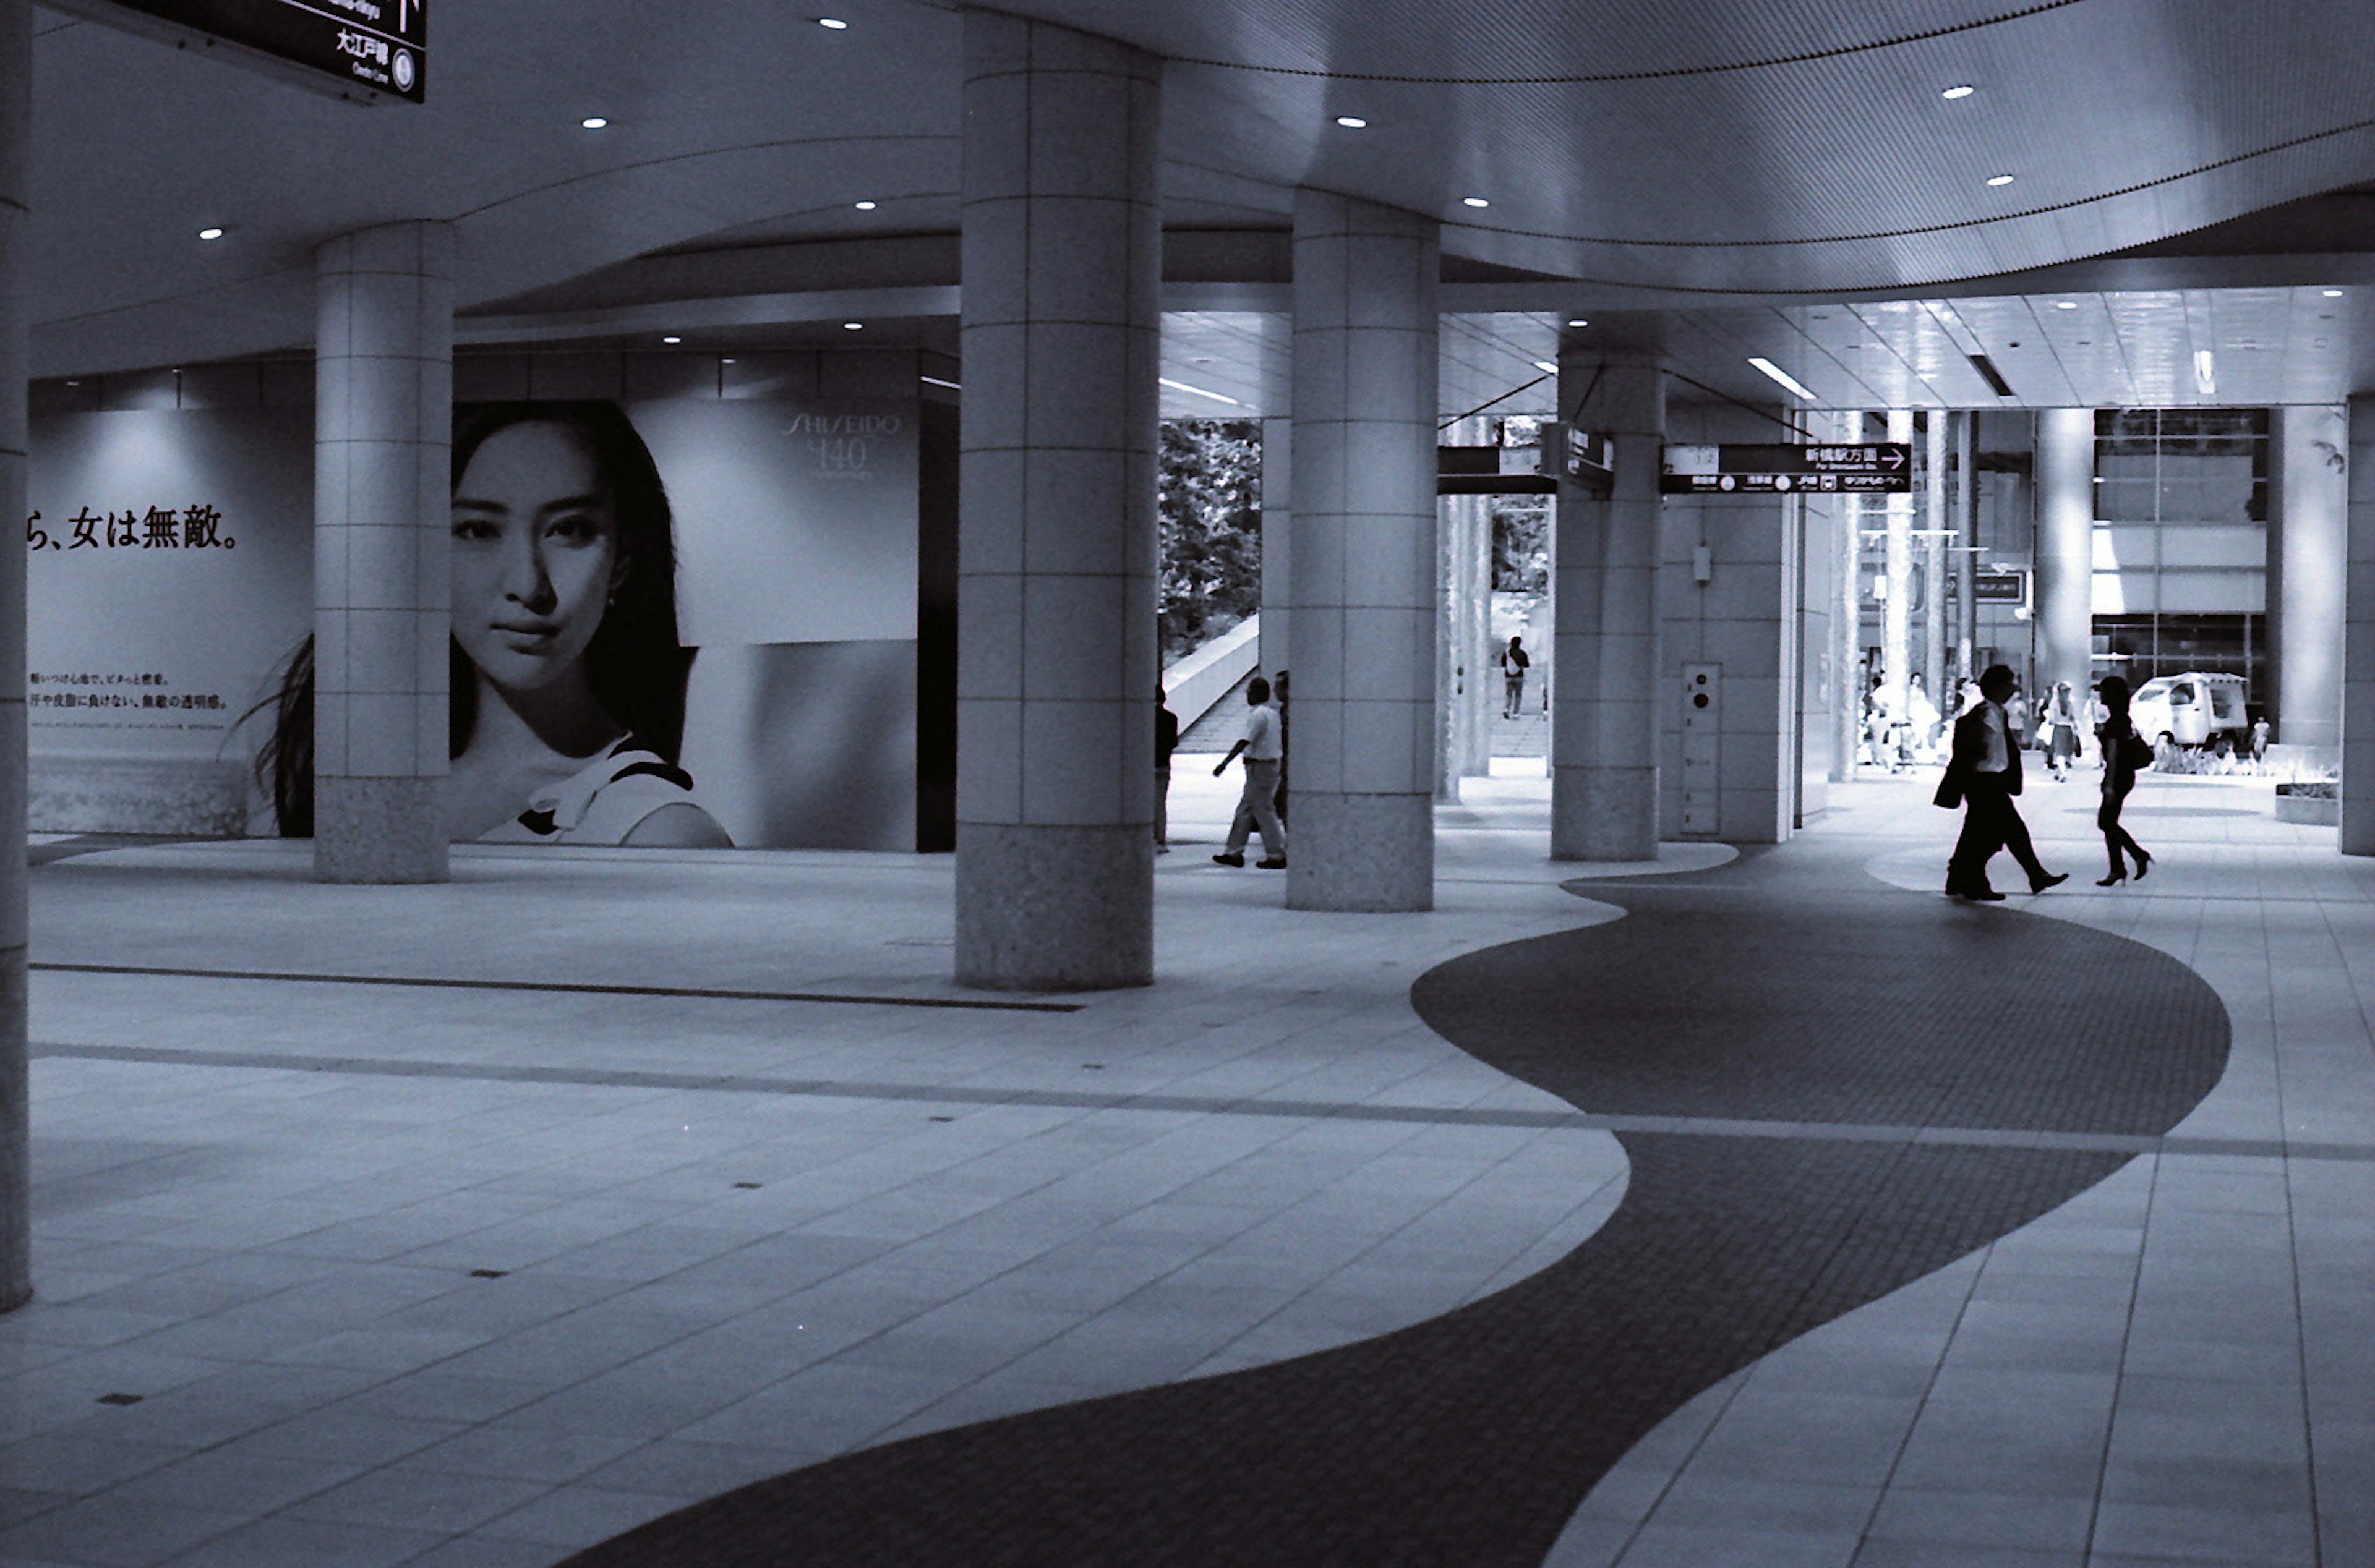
(1702, 688)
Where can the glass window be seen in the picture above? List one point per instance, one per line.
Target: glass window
(2180, 466)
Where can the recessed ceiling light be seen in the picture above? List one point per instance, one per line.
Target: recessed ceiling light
(864, 207)
(726, 360)
(1578, 320)
(2333, 293)
(1784, 377)
(1999, 178)
(210, 233)
(593, 121)
(1960, 90)
(1351, 122)
(833, 24)
(1474, 201)
(2065, 304)
(671, 337)
(853, 326)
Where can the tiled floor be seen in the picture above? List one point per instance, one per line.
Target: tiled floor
(479, 1275)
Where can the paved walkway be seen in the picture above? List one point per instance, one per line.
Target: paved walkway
(605, 1211)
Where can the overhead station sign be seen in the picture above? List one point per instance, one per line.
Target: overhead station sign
(1866, 468)
(357, 48)
(1999, 586)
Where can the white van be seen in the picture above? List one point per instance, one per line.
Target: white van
(2189, 709)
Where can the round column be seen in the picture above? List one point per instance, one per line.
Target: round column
(2066, 551)
(1468, 674)
(1055, 599)
(1934, 664)
(1846, 544)
(1604, 737)
(16, 1176)
(1364, 557)
(382, 533)
(1896, 610)
(2357, 828)
(2305, 594)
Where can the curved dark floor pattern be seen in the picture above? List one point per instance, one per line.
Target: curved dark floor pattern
(1786, 986)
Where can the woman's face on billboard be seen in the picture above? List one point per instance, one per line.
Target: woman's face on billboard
(536, 554)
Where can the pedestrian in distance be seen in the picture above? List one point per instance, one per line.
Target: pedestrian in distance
(1285, 741)
(1514, 664)
(1166, 741)
(2125, 754)
(1257, 807)
(1982, 776)
(2061, 742)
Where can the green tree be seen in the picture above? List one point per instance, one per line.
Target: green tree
(1210, 509)
(1521, 544)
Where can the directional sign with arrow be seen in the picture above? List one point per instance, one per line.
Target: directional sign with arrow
(363, 50)
(1866, 468)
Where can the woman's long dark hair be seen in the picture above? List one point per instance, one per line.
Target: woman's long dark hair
(633, 663)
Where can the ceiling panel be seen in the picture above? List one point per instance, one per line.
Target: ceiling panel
(1749, 147)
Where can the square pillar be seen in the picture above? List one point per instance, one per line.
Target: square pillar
(1604, 740)
(1056, 660)
(1365, 566)
(1276, 542)
(382, 535)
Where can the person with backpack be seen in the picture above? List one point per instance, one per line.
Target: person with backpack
(1514, 664)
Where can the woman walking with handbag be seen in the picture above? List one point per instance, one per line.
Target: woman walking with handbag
(2125, 754)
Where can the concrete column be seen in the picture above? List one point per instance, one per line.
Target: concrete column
(2065, 551)
(1846, 609)
(1897, 611)
(1825, 740)
(1365, 556)
(1484, 679)
(16, 1176)
(2358, 829)
(1276, 541)
(1057, 538)
(1966, 540)
(1934, 559)
(2306, 536)
(1604, 735)
(1465, 650)
(382, 529)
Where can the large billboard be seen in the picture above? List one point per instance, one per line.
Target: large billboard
(770, 684)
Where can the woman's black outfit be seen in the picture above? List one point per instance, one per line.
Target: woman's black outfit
(2119, 777)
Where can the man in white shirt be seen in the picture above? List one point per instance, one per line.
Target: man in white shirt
(1263, 748)
(1982, 776)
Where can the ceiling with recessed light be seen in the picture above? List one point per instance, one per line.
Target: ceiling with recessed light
(1783, 178)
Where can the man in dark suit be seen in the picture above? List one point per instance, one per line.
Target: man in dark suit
(1982, 776)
